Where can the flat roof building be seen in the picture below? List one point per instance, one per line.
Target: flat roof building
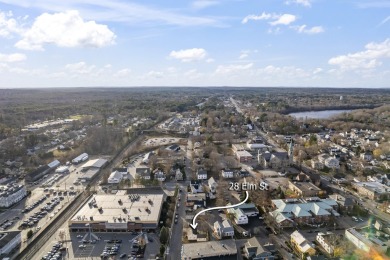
(118, 213)
(224, 249)
(9, 240)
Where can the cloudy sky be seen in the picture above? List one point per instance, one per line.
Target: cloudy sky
(313, 43)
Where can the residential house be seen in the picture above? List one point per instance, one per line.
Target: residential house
(373, 190)
(243, 156)
(143, 173)
(309, 211)
(159, 175)
(254, 250)
(305, 189)
(249, 209)
(302, 245)
(115, 177)
(344, 203)
(329, 161)
(227, 173)
(237, 147)
(366, 156)
(315, 164)
(242, 173)
(212, 186)
(223, 229)
(330, 242)
(178, 175)
(239, 216)
(201, 174)
(196, 187)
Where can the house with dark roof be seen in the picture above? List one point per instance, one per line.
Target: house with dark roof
(144, 173)
(38, 173)
(201, 174)
(274, 160)
(254, 250)
(344, 203)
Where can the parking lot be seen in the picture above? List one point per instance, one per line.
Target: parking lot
(160, 141)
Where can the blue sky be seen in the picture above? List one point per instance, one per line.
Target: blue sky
(313, 43)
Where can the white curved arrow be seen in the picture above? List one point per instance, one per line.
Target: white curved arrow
(194, 224)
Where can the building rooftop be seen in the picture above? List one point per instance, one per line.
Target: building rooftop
(135, 208)
(6, 237)
(209, 249)
(243, 154)
(97, 163)
(306, 186)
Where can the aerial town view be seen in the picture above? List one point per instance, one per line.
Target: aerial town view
(200, 129)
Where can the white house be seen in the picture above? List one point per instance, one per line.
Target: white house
(226, 173)
(159, 175)
(223, 229)
(178, 175)
(332, 163)
(212, 184)
(239, 216)
(327, 240)
(115, 177)
(201, 174)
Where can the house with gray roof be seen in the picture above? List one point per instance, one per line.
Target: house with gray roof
(291, 212)
(254, 250)
(223, 229)
(144, 173)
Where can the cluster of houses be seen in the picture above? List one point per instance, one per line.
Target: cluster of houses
(182, 124)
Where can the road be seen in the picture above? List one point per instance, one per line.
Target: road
(175, 244)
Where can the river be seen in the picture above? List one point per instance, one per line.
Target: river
(323, 114)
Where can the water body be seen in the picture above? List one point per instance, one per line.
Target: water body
(323, 114)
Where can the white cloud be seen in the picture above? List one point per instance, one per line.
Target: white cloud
(367, 59)
(306, 3)
(195, 54)
(210, 60)
(201, 4)
(284, 19)
(80, 68)
(8, 25)
(384, 21)
(317, 70)
(305, 29)
(122, 73)
(120, 11)
(243, 55)
(192, 74)
(13, 57)
(226, 69)
(155, 74)
(66, 29)
(263, 16)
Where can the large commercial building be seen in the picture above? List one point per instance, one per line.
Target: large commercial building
(11, 194)
(119, 212)
(9, 240)
(224, 249)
